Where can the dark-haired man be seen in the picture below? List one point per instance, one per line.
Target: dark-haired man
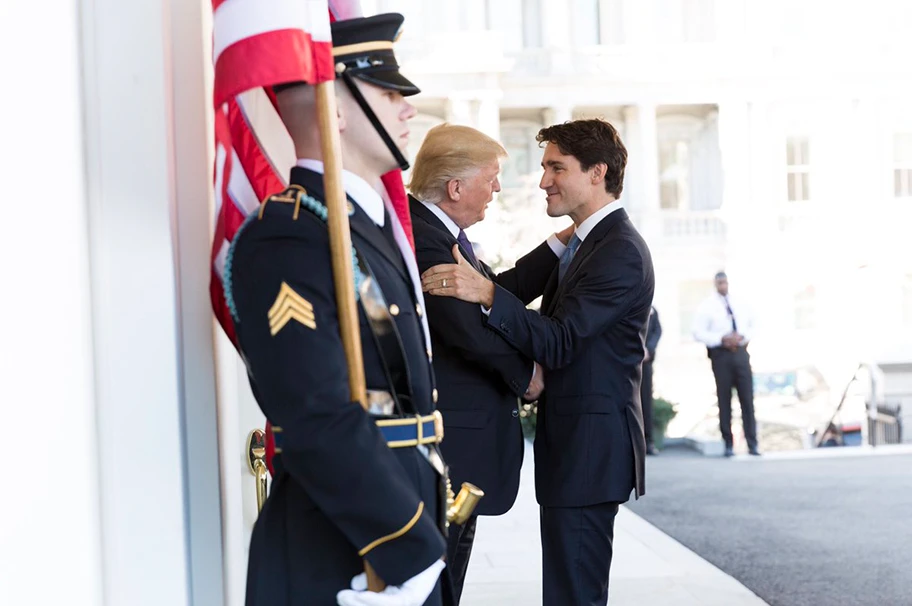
(589, 337)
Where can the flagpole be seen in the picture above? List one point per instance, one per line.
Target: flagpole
(341, 250)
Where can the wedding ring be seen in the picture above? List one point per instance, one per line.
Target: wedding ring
(444, 282)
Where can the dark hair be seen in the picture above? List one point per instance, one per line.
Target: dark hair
(720, 275)
(591, 142)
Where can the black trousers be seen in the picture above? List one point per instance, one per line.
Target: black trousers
(646, 398)
(732, 369)
(459, 550)
(576, 554)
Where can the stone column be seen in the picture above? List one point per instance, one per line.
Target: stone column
(459, 111)
(487, 114)
(641, 184)
(557, 115)
(555, 24)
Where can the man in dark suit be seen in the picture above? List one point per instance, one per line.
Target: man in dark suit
(589, 443)
(351, 486)
(653, 334)
(479, 376)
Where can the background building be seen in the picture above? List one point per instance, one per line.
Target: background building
(772, 139)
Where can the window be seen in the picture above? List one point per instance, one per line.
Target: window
(585, 22)
(805, 308)
(799, 169)
(902, 165)
(674, 174)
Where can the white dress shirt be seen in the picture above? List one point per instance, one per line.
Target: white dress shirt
(712, 321)
(586, 227)
(372, 202)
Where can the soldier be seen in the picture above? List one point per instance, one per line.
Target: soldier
(350, 486)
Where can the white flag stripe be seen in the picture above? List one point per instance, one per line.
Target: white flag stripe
(220, 156)
(266, 125)
(219, 262)
(345, 9)
(239, 188)
(235, 20)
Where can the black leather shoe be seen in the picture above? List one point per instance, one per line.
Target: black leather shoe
(753, 451)
(651, 450)
(729, 451)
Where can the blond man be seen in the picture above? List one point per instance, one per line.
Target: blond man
(480, 378)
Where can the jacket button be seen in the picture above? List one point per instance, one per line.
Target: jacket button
(434, 396)
(394, 310)
(515, 413)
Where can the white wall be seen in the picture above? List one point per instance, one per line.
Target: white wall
(108, 391)
(50, 540)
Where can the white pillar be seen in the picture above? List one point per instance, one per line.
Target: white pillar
(641, 186)
(737, 207)
(487, 115)
(557, 115)
(555, 22)
(459, 111)
(639, 22)
(473, 14)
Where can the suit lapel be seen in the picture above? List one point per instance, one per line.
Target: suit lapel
(421, 211)
(589, 246)
(359, 222)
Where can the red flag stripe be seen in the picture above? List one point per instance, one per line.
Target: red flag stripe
(288, 55)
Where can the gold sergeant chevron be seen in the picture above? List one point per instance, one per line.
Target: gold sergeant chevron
(288, 306)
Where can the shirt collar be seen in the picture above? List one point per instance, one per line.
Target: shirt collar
(595, 218)
(367, 197)
(445, 218)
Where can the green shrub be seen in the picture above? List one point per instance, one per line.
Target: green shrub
(663, 412)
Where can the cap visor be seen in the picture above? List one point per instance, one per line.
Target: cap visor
(390, 79)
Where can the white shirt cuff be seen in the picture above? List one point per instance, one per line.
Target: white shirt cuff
(556, 245)
(485, 310)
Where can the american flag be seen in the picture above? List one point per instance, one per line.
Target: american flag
(257, 44)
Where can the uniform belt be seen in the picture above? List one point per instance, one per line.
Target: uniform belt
(400, 432)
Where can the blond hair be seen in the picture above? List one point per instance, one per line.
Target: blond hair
(450, 152)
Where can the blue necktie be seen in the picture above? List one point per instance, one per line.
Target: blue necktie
(567, 257)
(467, 247)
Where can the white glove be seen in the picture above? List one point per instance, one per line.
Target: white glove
(413, 592)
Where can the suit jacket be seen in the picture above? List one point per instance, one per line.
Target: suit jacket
(339, 491)
(589, 444)
(479, 376)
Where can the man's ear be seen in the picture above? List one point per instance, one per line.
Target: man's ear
(454, 189)
(598, 172)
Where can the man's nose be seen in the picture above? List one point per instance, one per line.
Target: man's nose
(496, 185)
(408, 111)
(545, 182)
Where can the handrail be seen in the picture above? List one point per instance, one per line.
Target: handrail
(818, 440)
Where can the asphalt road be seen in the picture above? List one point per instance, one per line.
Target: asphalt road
(808, 532)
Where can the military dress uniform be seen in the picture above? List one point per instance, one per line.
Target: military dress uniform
(340, 492)
(349, 485)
